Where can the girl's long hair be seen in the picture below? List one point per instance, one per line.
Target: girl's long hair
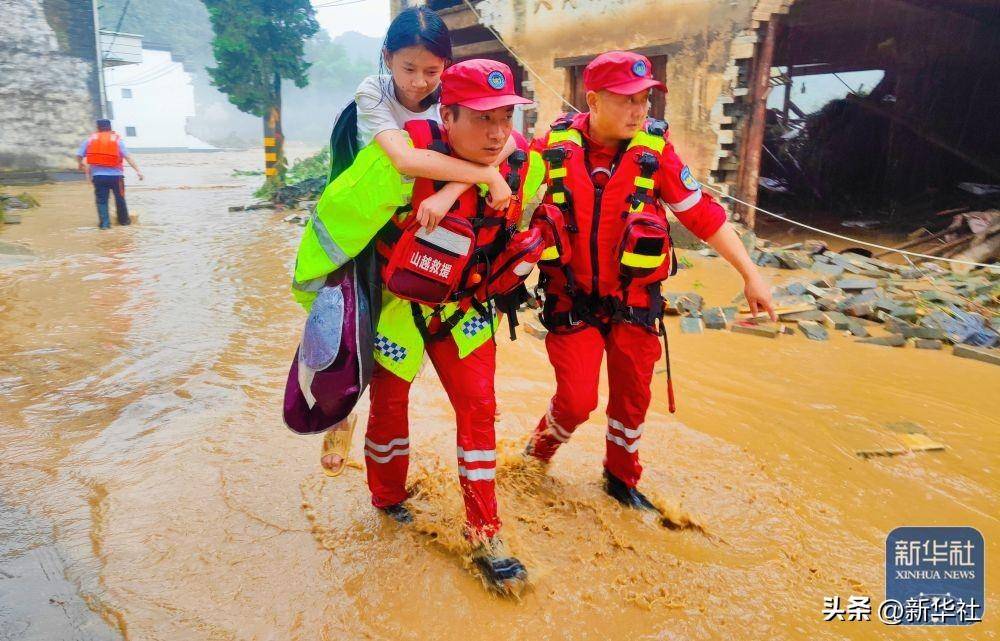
(418, 27)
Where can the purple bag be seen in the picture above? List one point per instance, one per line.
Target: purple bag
(334, 362)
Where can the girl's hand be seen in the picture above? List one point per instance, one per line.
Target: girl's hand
(500, 194)
(758, 295)
(433, 208)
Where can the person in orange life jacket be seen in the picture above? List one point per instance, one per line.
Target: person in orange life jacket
(609, 170)
(105, 152)
(477, 104)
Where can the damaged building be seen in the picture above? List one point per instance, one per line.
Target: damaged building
(826, 109)
(53, 55)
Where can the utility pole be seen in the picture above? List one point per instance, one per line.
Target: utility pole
(102, 95)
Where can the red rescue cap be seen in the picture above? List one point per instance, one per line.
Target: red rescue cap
(479, 84)
(621, 72)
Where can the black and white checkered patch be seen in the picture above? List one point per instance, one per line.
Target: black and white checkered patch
(474, 325)
(390, 349)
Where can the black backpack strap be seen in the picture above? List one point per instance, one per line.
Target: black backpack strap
(447, 324)
(644, 185)
(343, 141)
(561, 197)
(515, 161)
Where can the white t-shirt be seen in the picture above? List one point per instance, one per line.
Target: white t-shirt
(379, 110)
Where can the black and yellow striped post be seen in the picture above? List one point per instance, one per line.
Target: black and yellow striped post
(274, 143)
(270, 157)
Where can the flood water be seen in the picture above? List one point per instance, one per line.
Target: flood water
(149, 490)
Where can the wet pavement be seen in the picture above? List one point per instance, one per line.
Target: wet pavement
(148, 489)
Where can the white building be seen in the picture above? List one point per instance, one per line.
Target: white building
(149, 103)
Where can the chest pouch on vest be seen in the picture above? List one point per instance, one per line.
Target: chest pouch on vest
(427, 267)
(644, 253)
(551, 224)
(511, 267)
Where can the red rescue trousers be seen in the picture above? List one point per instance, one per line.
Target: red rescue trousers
(632, 355)
(469, 384)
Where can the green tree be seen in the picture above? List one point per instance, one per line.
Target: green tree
(256, 44)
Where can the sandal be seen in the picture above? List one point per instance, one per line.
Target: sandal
(338, 441)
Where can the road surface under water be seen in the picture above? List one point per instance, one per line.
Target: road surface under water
(149, 491)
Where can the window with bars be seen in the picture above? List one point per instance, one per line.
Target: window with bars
(130, 132)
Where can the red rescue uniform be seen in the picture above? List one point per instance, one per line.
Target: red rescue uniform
(607, 299)
(467, 380)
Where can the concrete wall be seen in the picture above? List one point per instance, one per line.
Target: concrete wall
(49, 90)
(699, 37)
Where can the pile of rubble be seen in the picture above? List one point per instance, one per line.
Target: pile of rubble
(875, 301)
(9, 204)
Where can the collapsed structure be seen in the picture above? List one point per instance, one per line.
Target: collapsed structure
(873, 107)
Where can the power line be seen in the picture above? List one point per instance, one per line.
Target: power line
(145, 80)
(118, 28)
(722, 194)
(853, 240)
(479, 18)
(143, 75)
(339, 3)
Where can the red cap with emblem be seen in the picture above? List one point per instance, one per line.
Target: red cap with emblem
(479, 84)
(621, 72)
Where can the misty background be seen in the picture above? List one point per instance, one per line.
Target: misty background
(339, 63)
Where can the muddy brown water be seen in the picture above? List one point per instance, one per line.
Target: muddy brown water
(148, 489)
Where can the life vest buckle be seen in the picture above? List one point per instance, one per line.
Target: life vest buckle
(554, 155)
(647, 164)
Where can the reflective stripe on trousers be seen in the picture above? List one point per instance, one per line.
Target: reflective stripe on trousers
(469, 384)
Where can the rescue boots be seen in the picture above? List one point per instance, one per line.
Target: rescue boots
(398, 513)
(530, 454)
(627, 496)
(502, 572)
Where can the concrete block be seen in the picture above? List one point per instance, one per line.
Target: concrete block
(836, 320)
(892, 340)
(977, 353)
(812, 315)
(830, 303)
(813, 330)
(797, 289)
(754, 329)
(930, 333)
(857, 329)
(715, 318)
(927, 343)
(920, 443)
(906, 427)
(794, 260)
(691, 325)
(857, 283)
(858, 310)
(818, 292)
(827, 268)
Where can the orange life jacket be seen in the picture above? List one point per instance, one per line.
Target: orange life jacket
(496, 246)
(102, 149)
(610, 248)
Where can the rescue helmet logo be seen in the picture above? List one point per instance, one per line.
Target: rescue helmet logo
(496, 80)
(639, 68)
(688, 180)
